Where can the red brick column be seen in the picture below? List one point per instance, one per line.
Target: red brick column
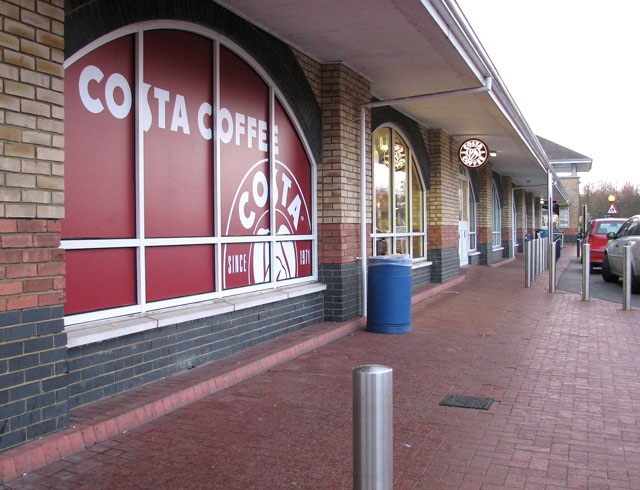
(31, 264)
(343, 93)
(442, 206)
(33, 355)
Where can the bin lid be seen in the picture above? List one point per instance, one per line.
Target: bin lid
(403, 260)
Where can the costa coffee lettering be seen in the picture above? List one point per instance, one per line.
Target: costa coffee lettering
(243, 130)
(260, 194)
(115, 81)
(236, 263)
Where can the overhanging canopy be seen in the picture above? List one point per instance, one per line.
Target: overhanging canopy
(412, 47)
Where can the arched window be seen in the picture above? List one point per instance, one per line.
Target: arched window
(399, 218)
(467, 201)
(164, 207)
(497, 218)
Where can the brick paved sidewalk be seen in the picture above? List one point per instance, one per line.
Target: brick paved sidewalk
(564, 374)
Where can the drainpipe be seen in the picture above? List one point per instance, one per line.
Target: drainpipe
(363, 165)
(363, 209)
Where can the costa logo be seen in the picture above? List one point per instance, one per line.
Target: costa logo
(247, 264)
(158, 103)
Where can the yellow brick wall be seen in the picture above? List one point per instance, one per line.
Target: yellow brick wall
(31, 109)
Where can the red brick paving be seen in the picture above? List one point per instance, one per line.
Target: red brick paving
(564, 374)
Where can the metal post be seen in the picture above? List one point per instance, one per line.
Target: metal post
(372, 427)
(534, 262)
(626, 277)
(579, 242)
(586, 272)
(551, 256)
(534, 252)
(527, 264)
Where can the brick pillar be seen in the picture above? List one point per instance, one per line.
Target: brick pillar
(484, 214)
(343, 92)
(571, 185)
(539, 212)
(521, 212)
(507, 216)
(530, 204)
(442, 206)
(33, 354)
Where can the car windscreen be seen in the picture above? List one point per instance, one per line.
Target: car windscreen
(608, 227)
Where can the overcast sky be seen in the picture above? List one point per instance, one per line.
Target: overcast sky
(573, 68)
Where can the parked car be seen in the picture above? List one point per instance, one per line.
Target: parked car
(596, 236)
(628, 234)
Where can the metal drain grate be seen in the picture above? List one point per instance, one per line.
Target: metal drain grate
(476, 402)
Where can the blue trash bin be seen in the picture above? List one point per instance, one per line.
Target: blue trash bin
(389, 294)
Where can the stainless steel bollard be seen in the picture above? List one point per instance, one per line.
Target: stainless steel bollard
(626, 277)
(586, 272)
(372, 427)
(527, 264)
(551, 258)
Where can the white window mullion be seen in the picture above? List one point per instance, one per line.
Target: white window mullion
(392, 191)
(139, 135)
(218, 267)
(409, 198)
(272, 185)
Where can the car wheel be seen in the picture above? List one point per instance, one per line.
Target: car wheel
(635, 284)
(606, 271)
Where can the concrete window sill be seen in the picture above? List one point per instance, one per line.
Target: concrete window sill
(99, 331)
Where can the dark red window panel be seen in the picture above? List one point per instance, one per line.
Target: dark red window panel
(178, 271)
(100, 279)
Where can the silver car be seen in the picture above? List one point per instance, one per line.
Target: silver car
(628, 234)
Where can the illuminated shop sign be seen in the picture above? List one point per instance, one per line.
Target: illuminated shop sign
(147, 202)
(473, 153)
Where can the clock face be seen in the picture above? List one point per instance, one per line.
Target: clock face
(473, 153)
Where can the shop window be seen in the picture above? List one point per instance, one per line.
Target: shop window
(399, 207)
(467, 206)
(162, 207)
(497, 218)
(473, 243)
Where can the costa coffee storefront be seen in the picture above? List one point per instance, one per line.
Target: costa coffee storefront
(159, 213)
(214, 191)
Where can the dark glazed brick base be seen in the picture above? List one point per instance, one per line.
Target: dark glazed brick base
(342, 297)
(446, 264)
(420, 276)
(100, 370)
(33, 379)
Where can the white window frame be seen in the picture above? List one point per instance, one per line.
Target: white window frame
(395, 235)
(496, 241)
(141, 242)
(473, 223)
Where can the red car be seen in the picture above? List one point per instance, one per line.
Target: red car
(597, 237)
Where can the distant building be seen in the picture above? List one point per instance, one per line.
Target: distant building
(567, 163)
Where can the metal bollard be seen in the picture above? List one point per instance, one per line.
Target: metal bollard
(527, 264)
(551, 258)
(579, 242)
(626, 277)
(586, 272)
(372, 427)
